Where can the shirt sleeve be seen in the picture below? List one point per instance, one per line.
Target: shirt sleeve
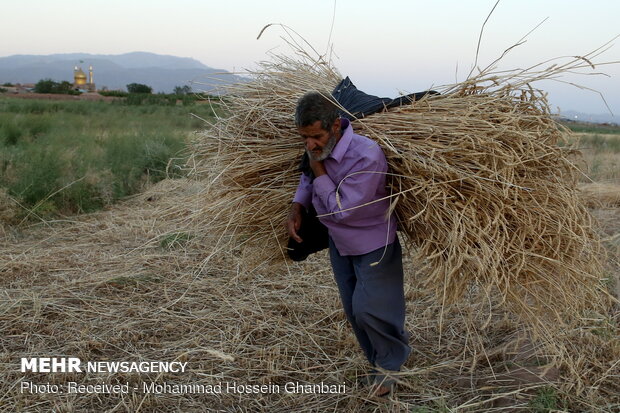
(359, 187)
(303, 195)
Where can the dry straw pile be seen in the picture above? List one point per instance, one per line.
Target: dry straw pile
(484, 195)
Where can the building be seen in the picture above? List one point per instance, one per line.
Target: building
(81, 83)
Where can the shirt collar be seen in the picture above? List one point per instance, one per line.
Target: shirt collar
(345, 139)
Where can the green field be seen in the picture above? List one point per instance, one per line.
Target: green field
(583, 127)
(600, 147)
(66, 157)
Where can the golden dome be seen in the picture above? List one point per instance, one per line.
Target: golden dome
(79, 76)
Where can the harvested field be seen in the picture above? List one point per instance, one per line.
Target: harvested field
(108, 286)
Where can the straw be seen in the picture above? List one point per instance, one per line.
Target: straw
(485, 197)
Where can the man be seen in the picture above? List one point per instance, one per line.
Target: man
(347, 192)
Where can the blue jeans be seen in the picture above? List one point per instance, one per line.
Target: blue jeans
(374, 302)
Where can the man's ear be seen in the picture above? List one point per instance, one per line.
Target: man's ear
(336, 127)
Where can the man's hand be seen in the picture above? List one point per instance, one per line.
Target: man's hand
(317, 167)
(293, 222)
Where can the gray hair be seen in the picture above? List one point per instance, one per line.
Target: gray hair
(315, 106)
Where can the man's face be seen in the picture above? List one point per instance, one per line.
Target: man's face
(319, 142)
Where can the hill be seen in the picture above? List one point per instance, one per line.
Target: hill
(573, 116)
(161, 72)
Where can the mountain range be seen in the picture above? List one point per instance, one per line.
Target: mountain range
(161, 72)
(589, 117)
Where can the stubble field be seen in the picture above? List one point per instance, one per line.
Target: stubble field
(137, 281)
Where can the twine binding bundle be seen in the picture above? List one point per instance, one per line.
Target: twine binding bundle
(483, 194)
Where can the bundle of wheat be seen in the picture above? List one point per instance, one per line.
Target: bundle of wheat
(483, 193)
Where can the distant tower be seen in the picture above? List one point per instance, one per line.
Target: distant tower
(90, 75)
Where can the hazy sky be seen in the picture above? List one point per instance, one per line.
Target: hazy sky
(384, 46)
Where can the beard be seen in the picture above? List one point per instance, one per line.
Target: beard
(327, 149)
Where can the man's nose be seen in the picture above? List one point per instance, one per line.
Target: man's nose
(310, 144)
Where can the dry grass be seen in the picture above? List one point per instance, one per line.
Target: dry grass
(602, 167)
(598, 194)
(103, 288)
(600, 156)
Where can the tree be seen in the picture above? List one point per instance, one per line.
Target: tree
(45, 86)
(50, 86)
(138, 88)
(64, 87)
(182, 90)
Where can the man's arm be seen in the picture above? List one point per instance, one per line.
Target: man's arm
(302, 199)
(293, 222)
(303, 195)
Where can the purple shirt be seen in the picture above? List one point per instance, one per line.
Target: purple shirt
(360, 230)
